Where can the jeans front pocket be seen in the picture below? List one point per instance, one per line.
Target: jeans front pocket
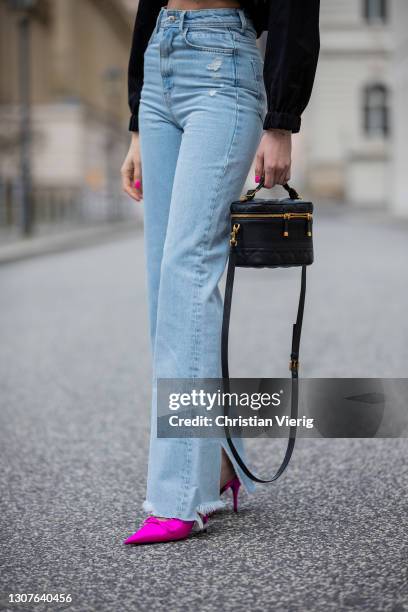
(245, 37)
(214, 40)
(257, 67)
(249, 71)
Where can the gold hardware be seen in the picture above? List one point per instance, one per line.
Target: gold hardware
(248, 196)
(286, 217)
(309, 225)
(233, 239)
(293, 364)
(307, 216)
(251, 192)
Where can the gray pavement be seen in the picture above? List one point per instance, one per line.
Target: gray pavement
(74, 359)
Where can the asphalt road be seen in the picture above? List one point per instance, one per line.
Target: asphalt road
(331, 535)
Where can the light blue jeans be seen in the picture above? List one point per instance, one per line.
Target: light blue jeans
(201, 115)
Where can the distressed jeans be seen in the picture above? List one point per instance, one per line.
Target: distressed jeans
(201, 115)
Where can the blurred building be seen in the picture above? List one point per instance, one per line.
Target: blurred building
(79, 51)
(344, 149)
(349, 147)
(399, 176)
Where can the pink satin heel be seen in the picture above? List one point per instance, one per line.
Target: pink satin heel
(234, 485)
(154, 531)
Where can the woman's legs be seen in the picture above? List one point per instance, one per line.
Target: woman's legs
(160, 141)
(200, 125)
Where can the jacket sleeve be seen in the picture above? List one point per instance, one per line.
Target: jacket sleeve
(292, 51)
(146, 16)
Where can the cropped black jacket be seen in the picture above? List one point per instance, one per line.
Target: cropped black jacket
(292, 50)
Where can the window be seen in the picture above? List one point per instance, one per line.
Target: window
(376, 110)
(375, 11)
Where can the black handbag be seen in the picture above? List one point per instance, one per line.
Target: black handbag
(268, 234)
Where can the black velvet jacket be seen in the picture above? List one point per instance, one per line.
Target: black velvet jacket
(292, 50)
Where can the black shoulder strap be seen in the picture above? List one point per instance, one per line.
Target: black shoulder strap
(294, 367)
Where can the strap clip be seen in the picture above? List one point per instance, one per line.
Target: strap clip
(294, 365)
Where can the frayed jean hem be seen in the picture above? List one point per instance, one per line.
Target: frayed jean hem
(201, 510)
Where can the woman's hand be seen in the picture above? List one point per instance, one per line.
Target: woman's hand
(273, 157)
(131, 170)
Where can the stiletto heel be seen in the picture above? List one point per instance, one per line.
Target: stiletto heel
(234, 485)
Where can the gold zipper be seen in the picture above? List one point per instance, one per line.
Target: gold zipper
(307, 216)
(285, 216)
(233, 239)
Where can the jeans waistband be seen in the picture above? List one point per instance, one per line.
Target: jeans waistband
(202, 17)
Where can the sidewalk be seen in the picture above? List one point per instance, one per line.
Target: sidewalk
(64, 239)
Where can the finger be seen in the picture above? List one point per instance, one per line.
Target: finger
(133, 194)
(132, 178)
(138, 185)
(259, 167)
(281, 175)
(137, 177)
(270, 177)
(128, 183)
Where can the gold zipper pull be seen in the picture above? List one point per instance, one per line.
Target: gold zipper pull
(233, 239)
(286, 218)
(309, 225)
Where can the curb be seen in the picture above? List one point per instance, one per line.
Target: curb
(36, 246)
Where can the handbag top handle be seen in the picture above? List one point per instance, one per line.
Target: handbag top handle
(293, 194)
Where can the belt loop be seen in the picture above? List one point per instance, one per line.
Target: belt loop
(181, 22)
(243, 19)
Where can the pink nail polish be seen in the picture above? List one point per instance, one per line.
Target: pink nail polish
(137, 184)
(257, 179)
